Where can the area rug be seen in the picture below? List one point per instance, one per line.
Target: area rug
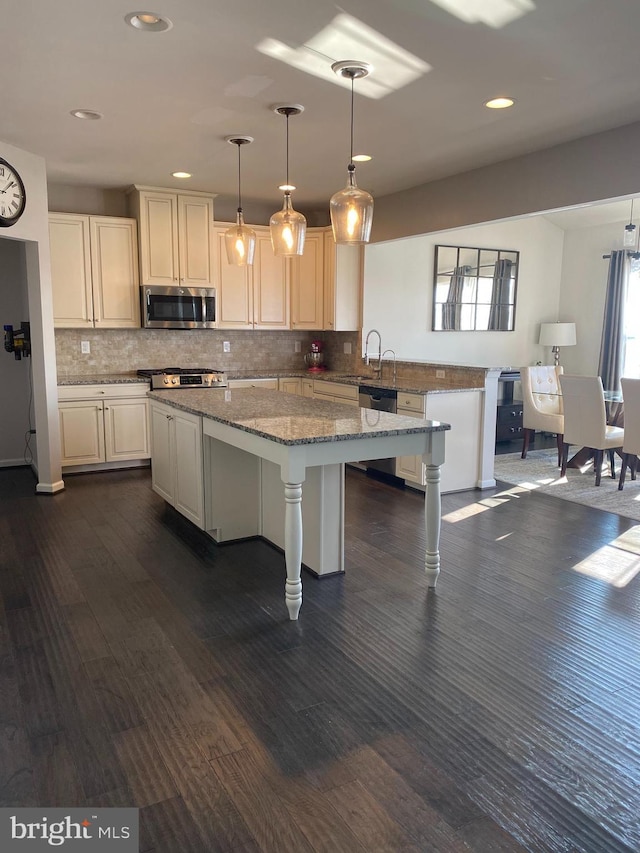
(539, 471)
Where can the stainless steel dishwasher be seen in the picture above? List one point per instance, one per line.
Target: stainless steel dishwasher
(380, 400)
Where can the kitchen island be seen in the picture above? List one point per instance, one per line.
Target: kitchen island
(258, 447)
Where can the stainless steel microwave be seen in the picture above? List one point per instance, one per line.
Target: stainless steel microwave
(175, 307)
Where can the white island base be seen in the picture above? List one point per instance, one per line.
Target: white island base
(254, 487)
(236, 463)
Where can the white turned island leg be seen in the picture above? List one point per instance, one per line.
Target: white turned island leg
(432, 520)
(293, 547)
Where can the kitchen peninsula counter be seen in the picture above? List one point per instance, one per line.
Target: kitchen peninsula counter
(259, 443)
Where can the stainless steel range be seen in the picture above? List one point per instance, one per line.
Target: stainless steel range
(169, 378)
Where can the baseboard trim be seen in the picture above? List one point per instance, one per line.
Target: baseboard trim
(50, 488)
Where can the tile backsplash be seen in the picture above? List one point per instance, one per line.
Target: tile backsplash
(127, 350)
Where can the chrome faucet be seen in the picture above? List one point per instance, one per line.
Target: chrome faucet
(366, 350)
(394, 363)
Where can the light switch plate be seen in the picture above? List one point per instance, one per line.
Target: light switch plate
(85, 347)
(439, 374)
(298, 346)
(347, 348)
(226, 346)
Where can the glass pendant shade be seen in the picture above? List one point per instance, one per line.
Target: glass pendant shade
(351, 212)
(288, 229)
(240, 242)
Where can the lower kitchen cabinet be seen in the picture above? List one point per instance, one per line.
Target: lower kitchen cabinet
(461, 409)
(98, 427)
(269, 384)
(334, 392)
(290, 385)
(176, 467)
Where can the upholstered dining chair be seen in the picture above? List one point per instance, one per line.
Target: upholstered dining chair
(631, 444)
(585, 421)
(541, 404)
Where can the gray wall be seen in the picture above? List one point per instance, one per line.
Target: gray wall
(597, 167)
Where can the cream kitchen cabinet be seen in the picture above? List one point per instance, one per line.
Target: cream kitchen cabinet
(269, 384)
(176, 245)
(290, 385)
(307, 283)
(306, 387)
(271, 285)
(463, 410)
(252, 297)
(103, 424)
(94, 271)
(177, 460)
(335, 392)
(342, 282)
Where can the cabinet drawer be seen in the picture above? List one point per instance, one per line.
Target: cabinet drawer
(510, 414)
(334, 389)
(101, 392)
(269, 384)
(412, 402)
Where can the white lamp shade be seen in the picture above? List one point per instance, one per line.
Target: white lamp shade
(557, 334)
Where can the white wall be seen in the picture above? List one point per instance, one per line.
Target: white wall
(398, 294)
(32, 229)
(583, 289)
(14, 375)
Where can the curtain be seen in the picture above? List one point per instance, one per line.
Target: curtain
(500, 311)
(612, 345)
(452, 308)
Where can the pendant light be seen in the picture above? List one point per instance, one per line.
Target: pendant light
(629, 241)
(240, 239)
(351, 208)
(288, 227)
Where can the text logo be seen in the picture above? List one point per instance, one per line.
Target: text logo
(80, 830)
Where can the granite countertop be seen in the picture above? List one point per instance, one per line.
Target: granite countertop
(290, 419)
(413, 385)
(102, 379)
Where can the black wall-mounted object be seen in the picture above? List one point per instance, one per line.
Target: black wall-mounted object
(18, 341)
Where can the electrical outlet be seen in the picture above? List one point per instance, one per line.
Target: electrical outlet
(347, 348)
(226, 346)
(298, 346)
(85, 347)
(439, 374)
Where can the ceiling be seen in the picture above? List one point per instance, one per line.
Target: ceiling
(169, 99)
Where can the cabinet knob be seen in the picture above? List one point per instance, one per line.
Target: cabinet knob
(100, 392)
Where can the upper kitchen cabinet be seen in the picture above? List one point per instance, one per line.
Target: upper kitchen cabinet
(271, 288)
(234, 287)
(343, 267)
(307, 283)
(94, 271)
(175, 236)
(251, 297)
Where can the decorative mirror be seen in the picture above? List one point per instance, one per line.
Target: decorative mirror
(474, 290)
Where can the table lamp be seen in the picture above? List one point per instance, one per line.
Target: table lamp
(556, 335)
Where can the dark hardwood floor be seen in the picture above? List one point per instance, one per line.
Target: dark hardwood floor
(141, 665)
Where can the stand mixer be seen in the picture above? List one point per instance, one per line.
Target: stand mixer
(314, 359)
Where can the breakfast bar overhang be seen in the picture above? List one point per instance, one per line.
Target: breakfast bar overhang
(246, 432)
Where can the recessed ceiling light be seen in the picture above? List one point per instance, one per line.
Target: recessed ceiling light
(181, 174)
(361, 158)
(149, 21)
(499, 103)
(90, 115)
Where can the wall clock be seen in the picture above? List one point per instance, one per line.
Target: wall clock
(13, 197)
